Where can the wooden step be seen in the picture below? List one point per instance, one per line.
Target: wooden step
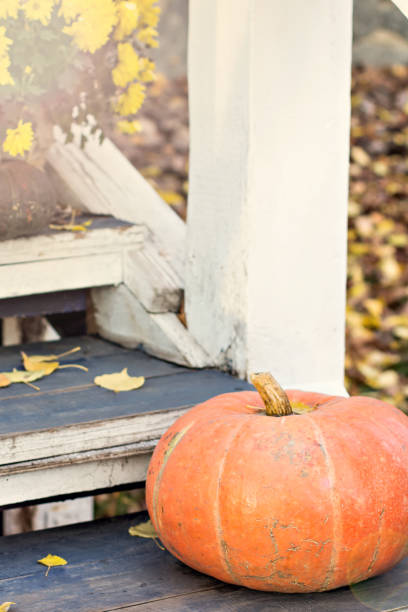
(109, 570)
(75, 437)
(65, 260)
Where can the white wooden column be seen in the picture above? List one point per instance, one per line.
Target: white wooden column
(266, 256)
(402, 5)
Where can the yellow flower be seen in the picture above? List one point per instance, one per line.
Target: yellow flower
(4, 42)
(39, 10)
(9, 8)
(129, 127)
(147, 36)
(5, 76)
(130, 102)
(146, 68)
(149, 13)
(70, 9)
(95, 22)
(19, 140)
(128, 14)
(28, 69)
(128, 67)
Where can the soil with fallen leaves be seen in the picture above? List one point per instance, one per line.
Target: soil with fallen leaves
(377, 311)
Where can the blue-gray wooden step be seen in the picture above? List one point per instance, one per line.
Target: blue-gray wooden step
(75, 437)
(110, 570)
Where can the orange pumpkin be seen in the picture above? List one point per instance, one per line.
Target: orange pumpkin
(302, 502)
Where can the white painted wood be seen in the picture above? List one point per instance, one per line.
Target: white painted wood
(63, 244)
(121, 318)
(11, 331)
(155, 284)
(75, 473)
(266, 253)
(54, 514)
(103, 181)
(66, 260)
(60, 274)
(30, 446)
(402, 5)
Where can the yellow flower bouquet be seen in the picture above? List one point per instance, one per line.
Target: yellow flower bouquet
(72, 61)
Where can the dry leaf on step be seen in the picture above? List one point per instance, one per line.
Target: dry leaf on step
(36, 363)
(119, 381)
(52, 561)
(39, 366)
(20, 376)
(69, 227)
(5, 606)
(145, 530)
(4, 382)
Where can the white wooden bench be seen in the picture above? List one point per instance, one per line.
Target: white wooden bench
(262, 263)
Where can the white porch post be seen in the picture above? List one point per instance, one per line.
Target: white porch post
(402, 5)
(266, 255)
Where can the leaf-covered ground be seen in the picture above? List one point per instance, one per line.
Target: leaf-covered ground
(377, 311)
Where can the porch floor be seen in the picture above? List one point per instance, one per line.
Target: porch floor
(109, 570)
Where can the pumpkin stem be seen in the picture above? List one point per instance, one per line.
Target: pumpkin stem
(273, 396)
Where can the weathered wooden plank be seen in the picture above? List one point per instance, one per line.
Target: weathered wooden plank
(70, 414)
(138, 363)
(120, 317)
(100, 179)
(109, 570)
(75, 473)
(61, 274)
(61, 244)
(53, 423)
(155, 284)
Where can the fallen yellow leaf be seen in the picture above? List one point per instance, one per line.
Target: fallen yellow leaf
(4, 382)
(360, 156)
(145, 530)
(5, 606)
(300, 407)
(119, 381)
(35, 364)
(48, 367)
(69, 227)
(21, 376)
(52, 561)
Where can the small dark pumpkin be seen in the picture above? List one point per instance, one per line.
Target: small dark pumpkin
(304, 502)
(27, 200)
